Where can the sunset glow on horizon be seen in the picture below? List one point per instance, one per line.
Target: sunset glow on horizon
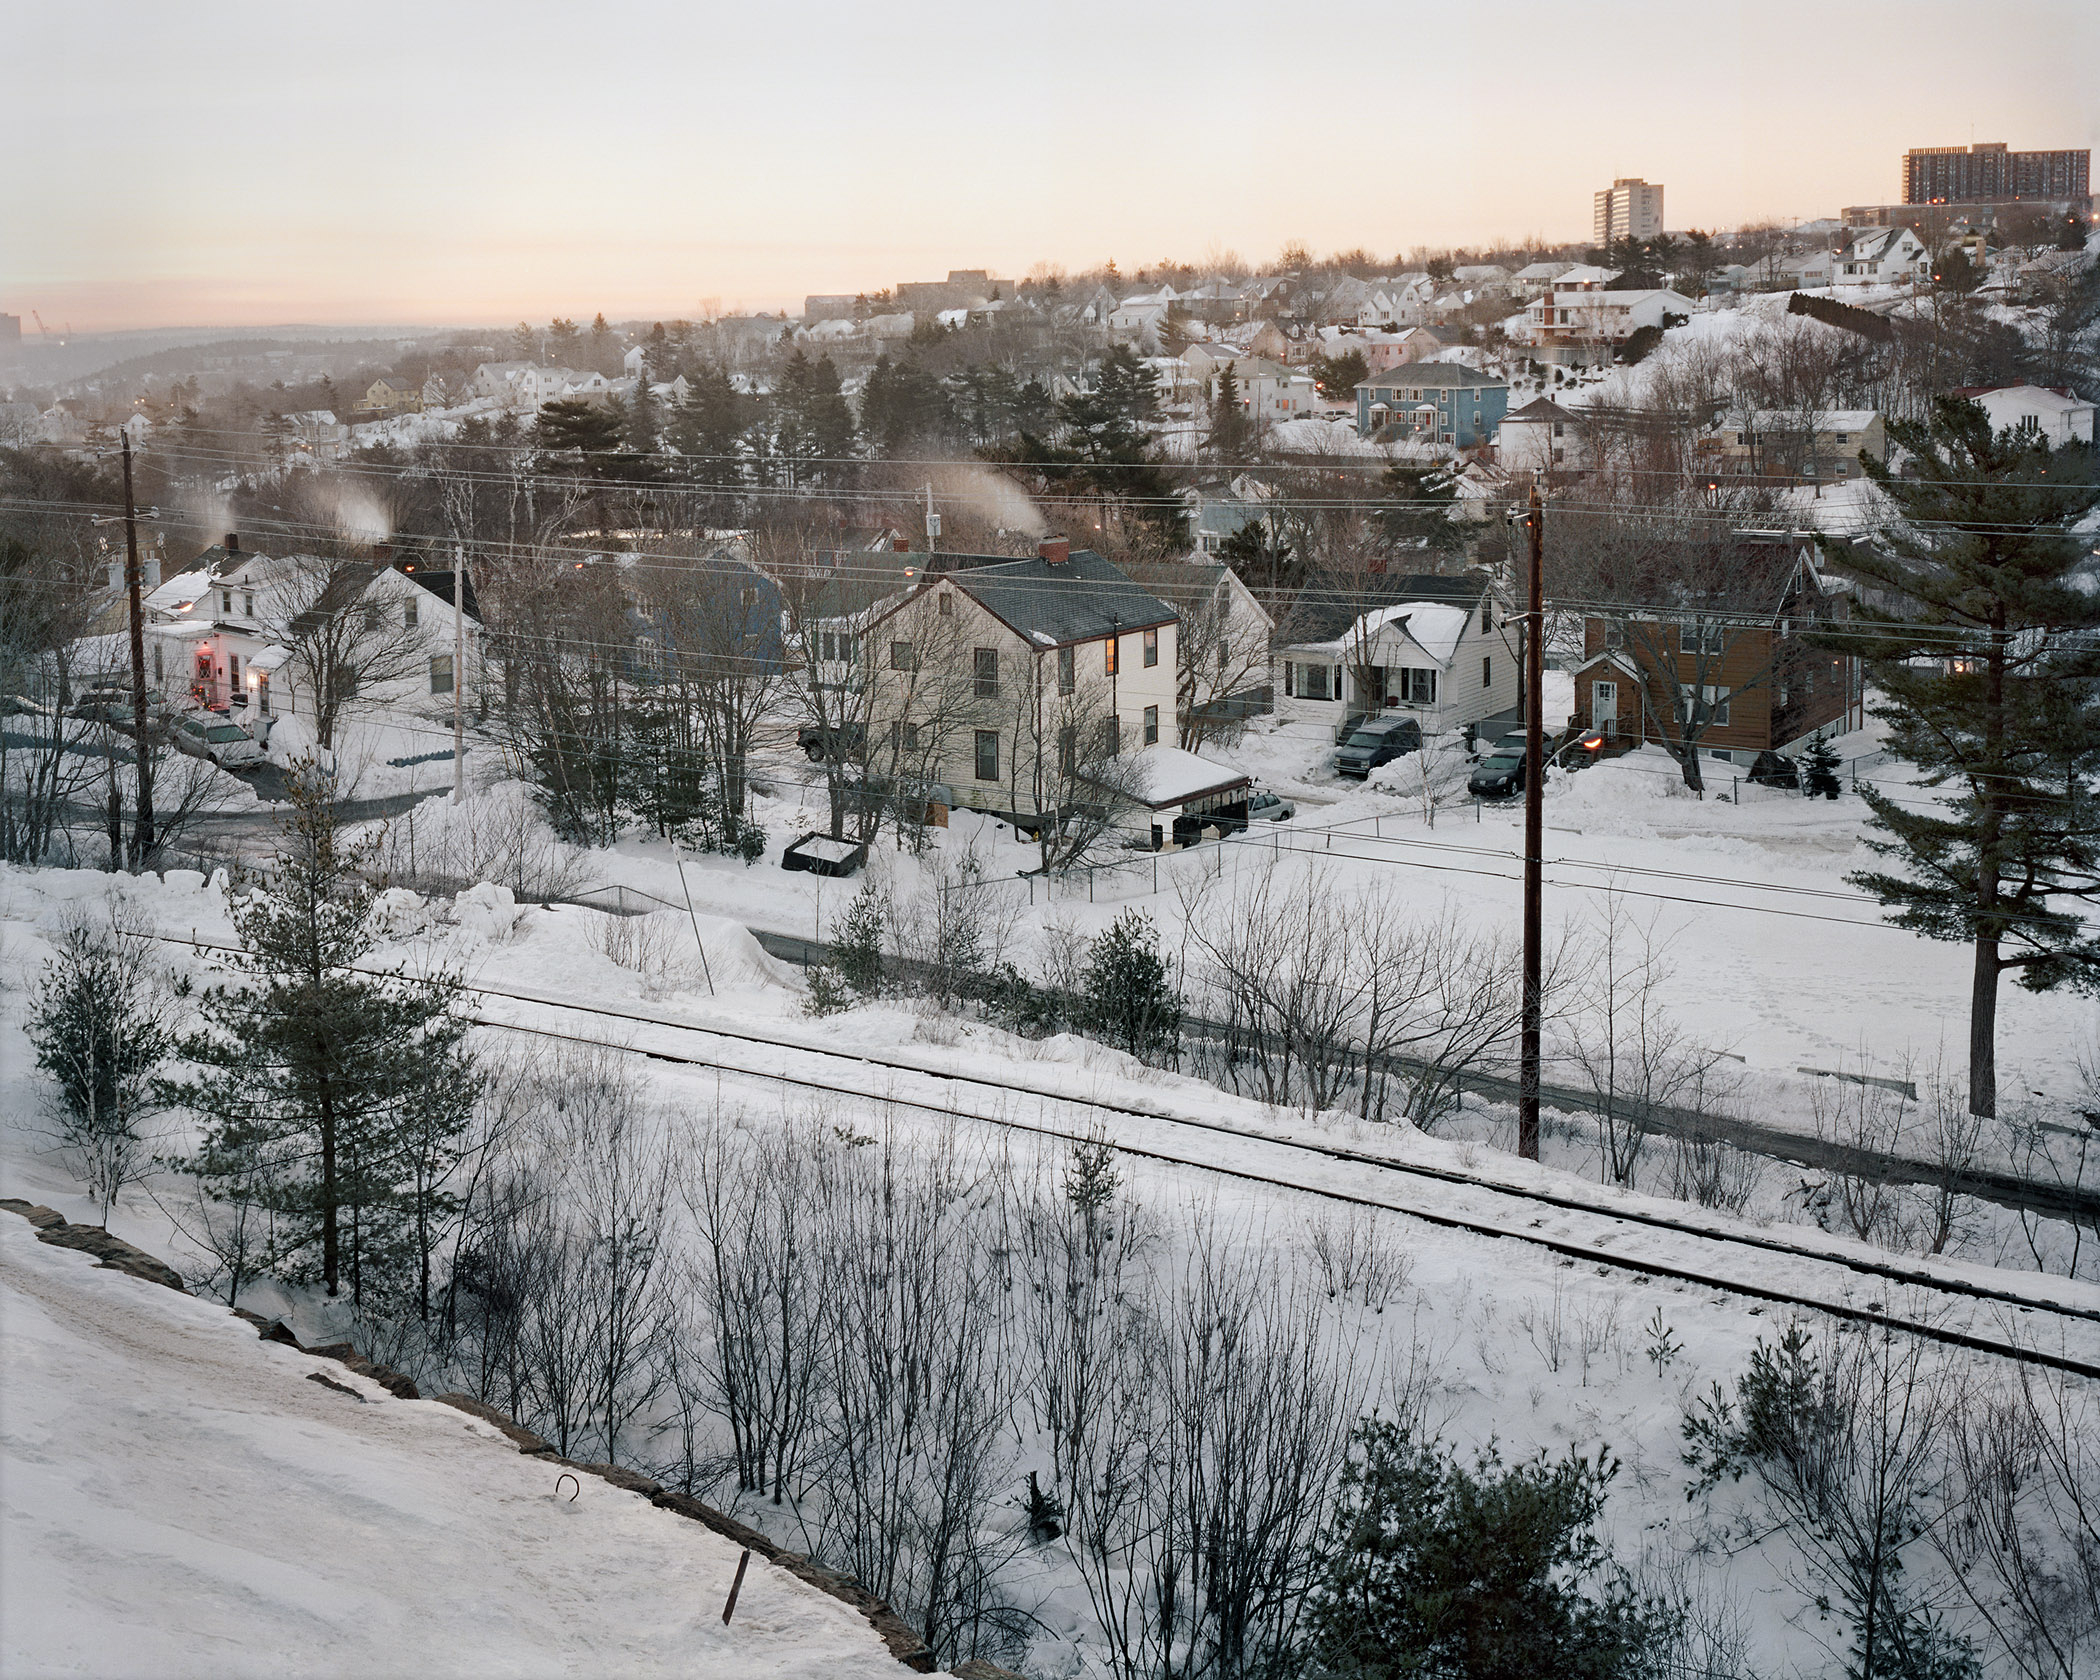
(250, 165)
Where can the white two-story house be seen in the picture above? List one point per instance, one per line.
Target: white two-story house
(1443, 650)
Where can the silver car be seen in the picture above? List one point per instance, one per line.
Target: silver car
(228, 745)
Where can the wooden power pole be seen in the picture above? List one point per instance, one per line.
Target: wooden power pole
(459, 673)
(1534, 828)
(142, 840)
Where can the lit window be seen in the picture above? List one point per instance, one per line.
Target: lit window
(1152, 647)
(1109, 661)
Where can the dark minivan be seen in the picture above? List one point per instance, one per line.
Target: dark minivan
(1377, 741)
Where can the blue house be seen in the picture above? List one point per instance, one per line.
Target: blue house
(1431, 402)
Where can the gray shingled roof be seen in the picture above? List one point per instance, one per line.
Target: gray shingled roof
(1083, 599)
(1433, 376)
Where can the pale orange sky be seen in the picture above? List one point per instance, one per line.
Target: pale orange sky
(227, 162)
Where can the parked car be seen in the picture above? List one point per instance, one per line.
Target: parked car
(820, 741)
(1376, 742)
(1500, 773)
(228, 745)
(1259, 806)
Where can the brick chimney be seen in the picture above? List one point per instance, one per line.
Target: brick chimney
(1055, 550)
(900, 545)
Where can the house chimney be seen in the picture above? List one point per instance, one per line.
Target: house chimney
(233, 542)
(1055, 550)
(116, 574)
(900, 545)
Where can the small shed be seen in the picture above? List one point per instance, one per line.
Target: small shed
(820, 854)
(1182, 790)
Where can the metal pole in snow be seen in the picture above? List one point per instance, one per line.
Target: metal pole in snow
(1534, 834)
(743, 1562)
(459, 674)
(706, 973)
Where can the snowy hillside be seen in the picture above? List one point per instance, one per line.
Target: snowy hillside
(182, 1498)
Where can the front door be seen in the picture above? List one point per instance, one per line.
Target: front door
(1604, 709)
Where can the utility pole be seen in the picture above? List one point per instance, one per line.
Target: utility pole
(459, 673)
(1534, 828)
(142, 842)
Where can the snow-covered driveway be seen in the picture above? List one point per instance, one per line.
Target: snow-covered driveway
(177, 1498)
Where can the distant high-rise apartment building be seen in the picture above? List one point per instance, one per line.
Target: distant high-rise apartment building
(1993, 173)
(10, 329)
(1629, 208)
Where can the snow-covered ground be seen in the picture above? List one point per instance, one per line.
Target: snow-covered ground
(180, 1499)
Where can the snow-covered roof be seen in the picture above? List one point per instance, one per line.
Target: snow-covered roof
(1167, 776)
(177, 593)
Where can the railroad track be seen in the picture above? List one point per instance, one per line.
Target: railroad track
(2061, 1335)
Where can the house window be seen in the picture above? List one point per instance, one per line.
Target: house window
(1067, 750)
(987, 663)
(247, 603)
(1614, 636)
(441, 673)
(226, 602)
(903, 657)
(1151, 725)
(408, 613)
(987, 755)
(1151, 648)
(1487, 616)
(157, 669)
(233, 674)
(827, 645)
(904, 738)
(1417, 687)
(1111, 735)
(1110, 661)
(1487, 672)
(1065, 675)
(947, 605)
(1710, 638)
(372, 615)
(1716, 704)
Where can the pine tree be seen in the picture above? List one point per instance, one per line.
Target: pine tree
(1231, 436)
(1988, 677)
(353, 1086)
(96, 1023)
(1820, 770)
(1419, 514)
(708, 429)
(1128, 995)
(856, 946)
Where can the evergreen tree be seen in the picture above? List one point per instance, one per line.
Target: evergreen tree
(356, 1086)
(1419, 512)
(1434, 1571)
(1231, 437)
(1103, 451)
(709, 429)
(97, 1026)
(1128, 995)
(1987, 672)
(856, 946)
(812, 423)
(639, 427)
(1338, 376)
(1820, 770)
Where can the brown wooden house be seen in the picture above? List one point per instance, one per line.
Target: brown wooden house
(1728, 662)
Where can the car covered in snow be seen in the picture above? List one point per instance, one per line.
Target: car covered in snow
(226, 744)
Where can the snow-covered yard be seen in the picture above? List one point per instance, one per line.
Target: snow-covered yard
(180, 1499)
